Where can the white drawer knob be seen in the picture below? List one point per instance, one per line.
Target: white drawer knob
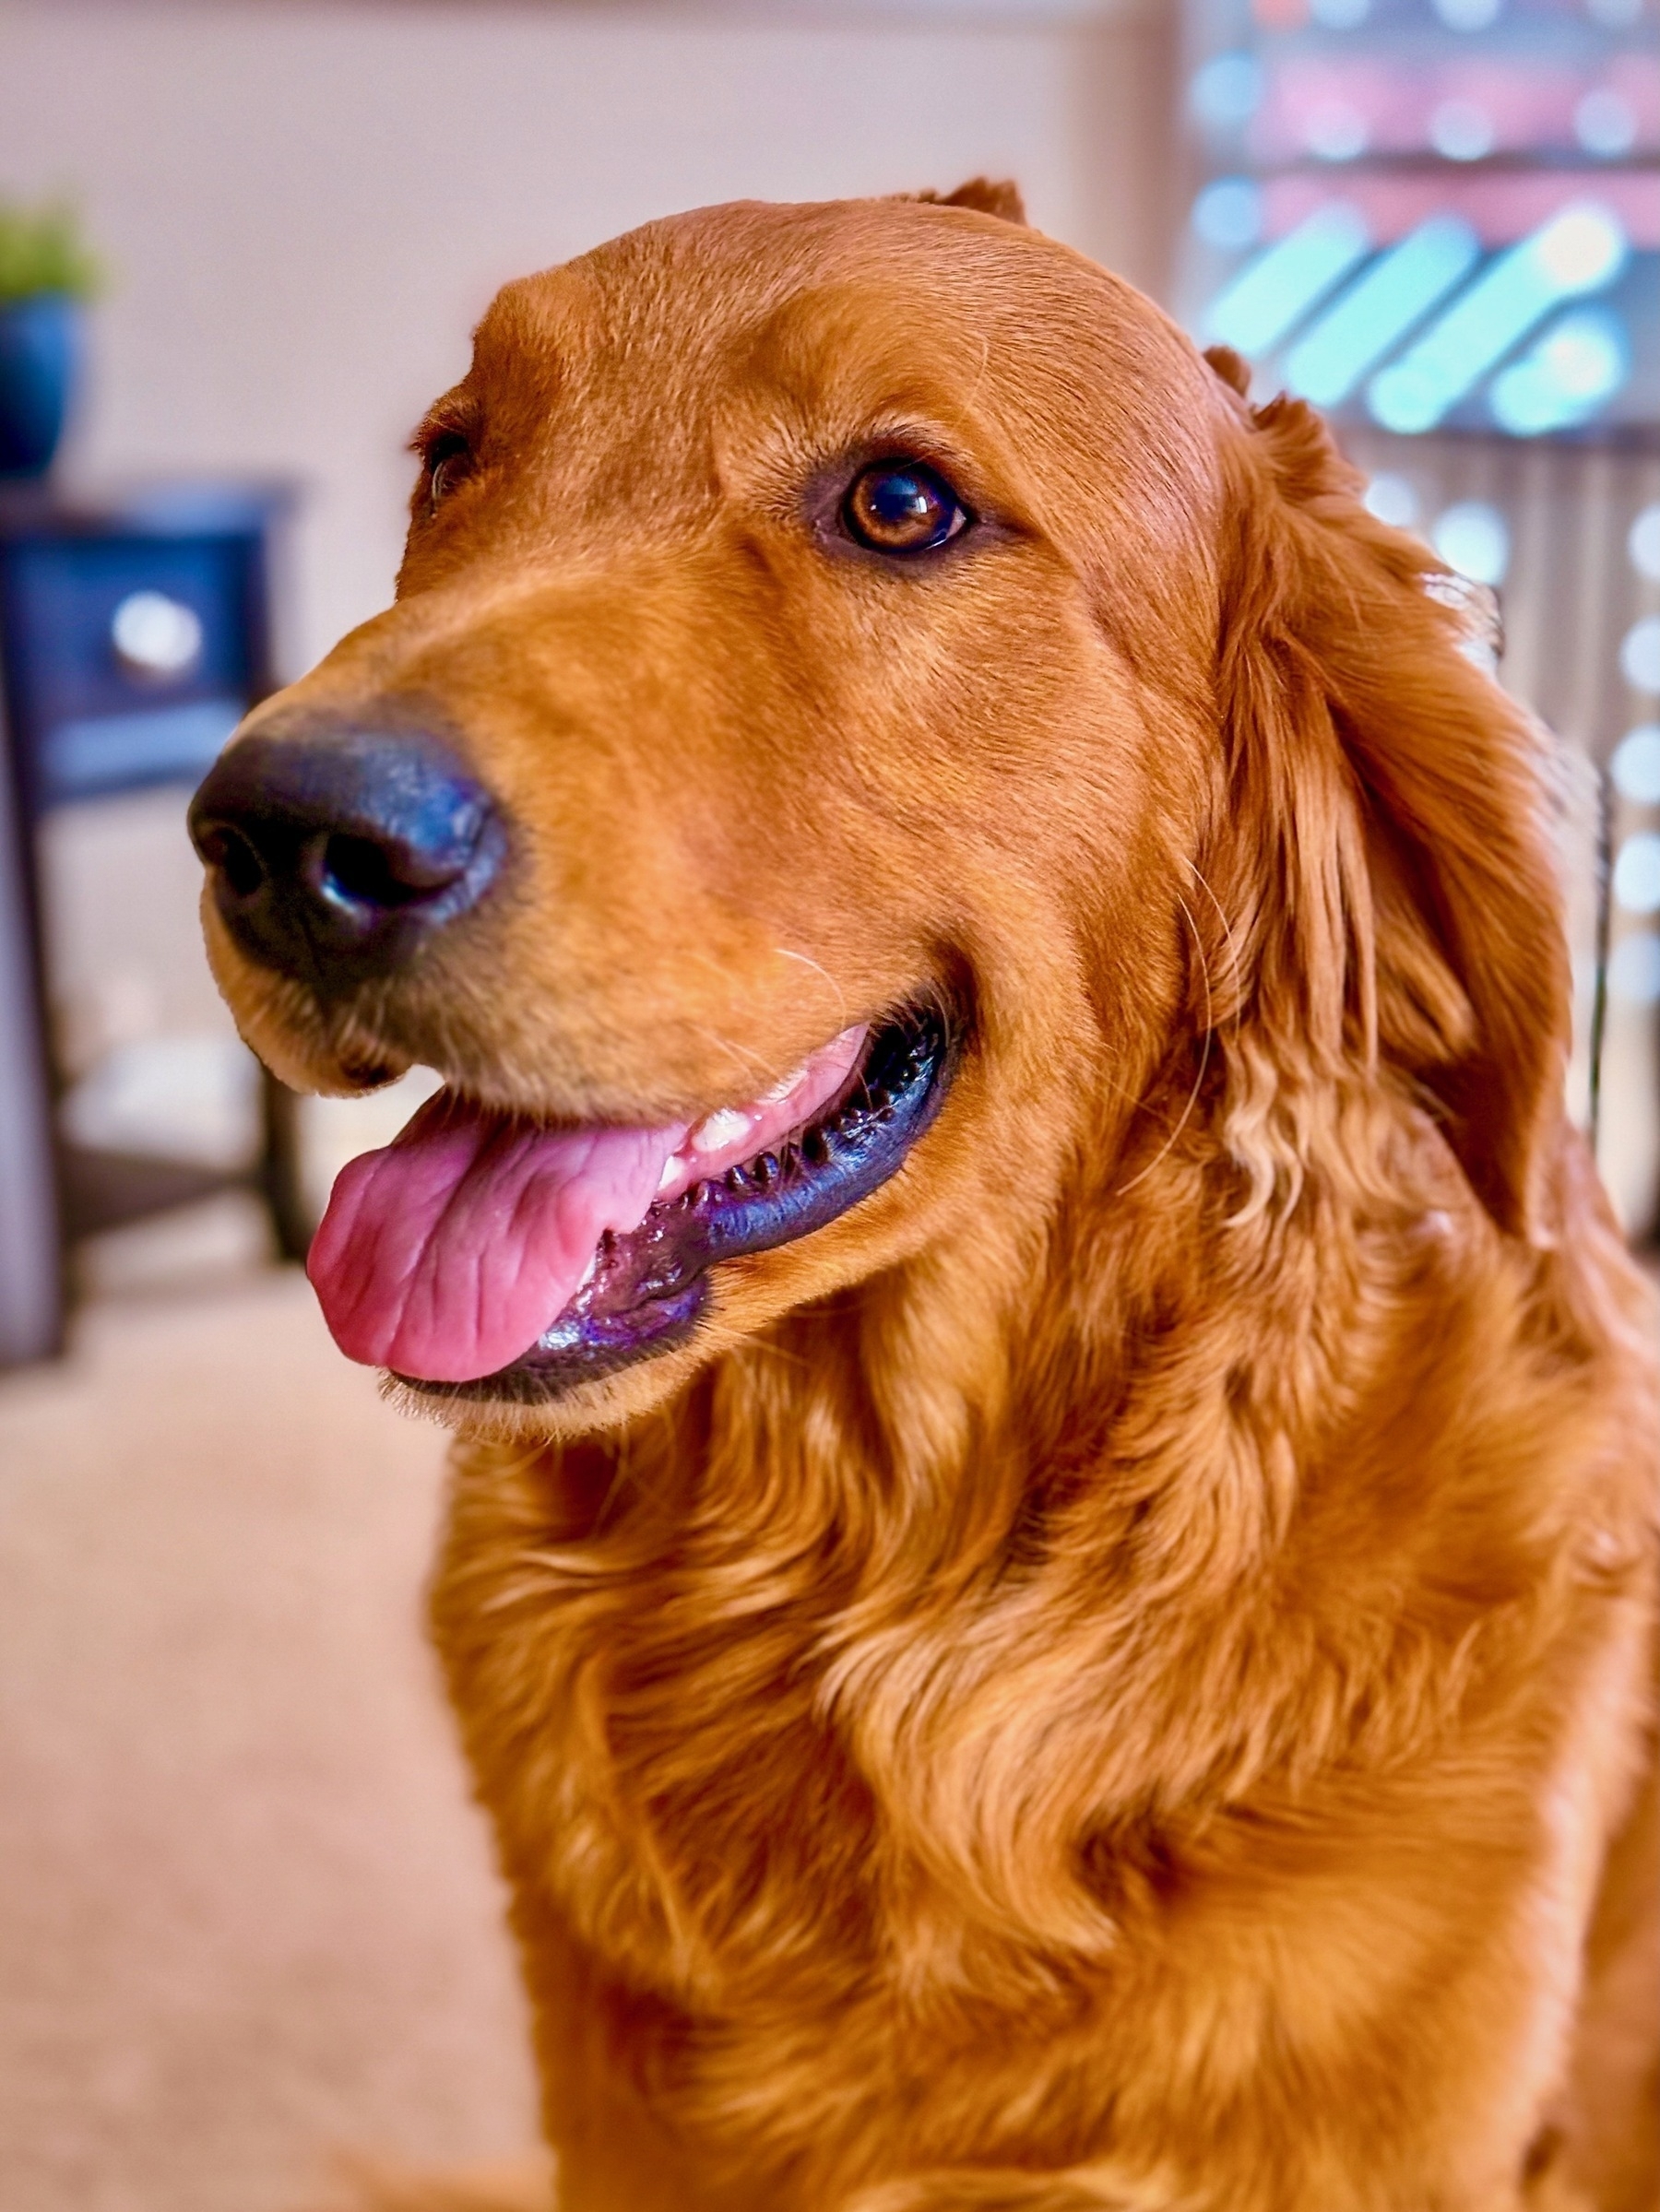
(154, 635)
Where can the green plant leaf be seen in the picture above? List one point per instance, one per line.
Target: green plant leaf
(42, 250)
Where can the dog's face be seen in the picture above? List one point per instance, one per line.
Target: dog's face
(764, 804)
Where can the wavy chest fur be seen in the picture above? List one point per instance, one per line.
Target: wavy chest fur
(1120, 1757)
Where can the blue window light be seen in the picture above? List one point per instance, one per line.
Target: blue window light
(1580, 361)
(1640, 655)
(1469, 14)
(1634, 968)
(1228, 213)
(1579, 250)
(1271, 294)
(1393, 500)
(1378, 309)
(1473, 538)
(1637, 873)
(1605, 124)
(1636, 765)
(1225, 91)
(1642, 543)
(1460, 130)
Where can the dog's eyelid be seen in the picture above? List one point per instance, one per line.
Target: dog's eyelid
(441, 441)
(453, 424)
(918, 442)
(454, 418)
(448, 451)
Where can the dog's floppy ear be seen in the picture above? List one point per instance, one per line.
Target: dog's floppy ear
(1385, 849)
(984, 196)
(1231, 367)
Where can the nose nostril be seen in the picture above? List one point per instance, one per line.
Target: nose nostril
(336, 853)
(237, 860)
(361, 871)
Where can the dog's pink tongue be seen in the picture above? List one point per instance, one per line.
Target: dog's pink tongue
(446, 1256)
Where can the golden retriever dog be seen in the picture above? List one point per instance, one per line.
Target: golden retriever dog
(1051, 1584)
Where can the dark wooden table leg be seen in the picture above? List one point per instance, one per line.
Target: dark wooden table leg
(281, 1183)
(31, 1266)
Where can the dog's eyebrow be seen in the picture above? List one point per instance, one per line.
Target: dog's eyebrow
(453, 416)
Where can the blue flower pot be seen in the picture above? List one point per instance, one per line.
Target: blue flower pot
(40, 353)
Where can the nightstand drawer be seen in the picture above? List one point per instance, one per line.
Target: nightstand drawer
(91, 754)
(128, 658)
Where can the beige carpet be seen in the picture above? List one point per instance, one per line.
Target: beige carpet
(246, 1912)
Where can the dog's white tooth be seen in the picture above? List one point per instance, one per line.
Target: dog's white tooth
(725, 1126)
(589, 1272)
(671, 1167)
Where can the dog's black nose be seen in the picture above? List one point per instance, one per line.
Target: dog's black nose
(333, 855)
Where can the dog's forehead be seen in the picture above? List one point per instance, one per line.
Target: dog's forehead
(700, 278)
(678, 310)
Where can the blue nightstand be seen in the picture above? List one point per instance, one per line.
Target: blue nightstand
(134, 635)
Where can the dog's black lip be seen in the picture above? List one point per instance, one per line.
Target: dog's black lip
(649, 1288)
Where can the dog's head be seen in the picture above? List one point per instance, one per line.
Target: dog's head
(865, 704)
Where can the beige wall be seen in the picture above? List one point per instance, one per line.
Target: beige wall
(305, 207)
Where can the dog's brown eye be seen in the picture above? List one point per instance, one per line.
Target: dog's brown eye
(902, 507)
(448, 458)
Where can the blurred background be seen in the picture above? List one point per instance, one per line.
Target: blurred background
(246, 1915)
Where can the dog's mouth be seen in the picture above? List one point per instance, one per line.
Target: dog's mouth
(486, 1256)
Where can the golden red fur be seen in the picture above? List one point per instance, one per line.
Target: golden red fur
(1119, 1676)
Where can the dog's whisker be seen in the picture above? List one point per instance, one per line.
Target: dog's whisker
(836, 991)
(773, 1351)
(744, 1058)
(1233, 957)
(1192, 1097)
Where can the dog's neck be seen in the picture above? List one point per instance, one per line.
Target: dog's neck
(816, 1574)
